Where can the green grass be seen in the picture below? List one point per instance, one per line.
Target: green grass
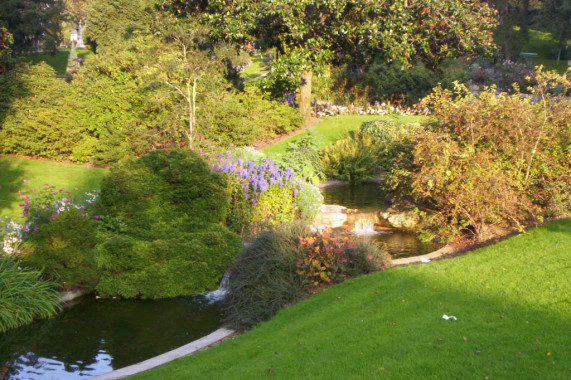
(57, 61)
(13, 171)
(542, 43)
(512, 301)
(334, 128)
(254, 71)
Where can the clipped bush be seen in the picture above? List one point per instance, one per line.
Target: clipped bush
(245, 118)
(24, 296)
(65, 249)
(164, 237)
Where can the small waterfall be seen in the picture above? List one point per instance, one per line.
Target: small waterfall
(364, 227)
(220, 293)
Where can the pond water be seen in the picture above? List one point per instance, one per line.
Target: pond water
(97, 336)
(369, 198)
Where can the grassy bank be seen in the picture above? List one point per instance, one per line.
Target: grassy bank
(512, 301)
(13, 172)
(334, 128)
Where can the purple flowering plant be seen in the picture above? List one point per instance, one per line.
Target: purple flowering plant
(45, 204)
(263, 194)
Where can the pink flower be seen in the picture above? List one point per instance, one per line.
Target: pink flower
(25, 181)
(370, 257)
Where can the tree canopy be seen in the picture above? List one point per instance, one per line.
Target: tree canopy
(32, 22)
(310, 34)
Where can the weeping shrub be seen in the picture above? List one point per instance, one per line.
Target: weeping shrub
(24, 296)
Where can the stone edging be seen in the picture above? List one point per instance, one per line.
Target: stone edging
(446, 250)
(177, 353)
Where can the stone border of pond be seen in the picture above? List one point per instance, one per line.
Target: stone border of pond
(446, 250)
(188, 349)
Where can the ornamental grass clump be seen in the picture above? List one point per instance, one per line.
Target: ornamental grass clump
(284, 265)
(24, 296)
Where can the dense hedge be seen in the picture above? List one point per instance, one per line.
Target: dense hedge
(163, 216)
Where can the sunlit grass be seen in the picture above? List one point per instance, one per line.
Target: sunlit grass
(512, 301)
(13, 172)
(334, 128)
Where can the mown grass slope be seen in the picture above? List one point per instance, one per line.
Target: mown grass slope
(512, 301)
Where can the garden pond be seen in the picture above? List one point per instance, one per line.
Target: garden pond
(97, 336)
(367, 199)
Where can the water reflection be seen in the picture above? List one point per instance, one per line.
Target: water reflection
(97, 336)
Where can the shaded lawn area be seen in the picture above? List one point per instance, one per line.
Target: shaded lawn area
(542, 43)
(512, 301)
(334, 128)
(57, 61)
(13, 171)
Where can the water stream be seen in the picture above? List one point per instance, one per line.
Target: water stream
(366, 200)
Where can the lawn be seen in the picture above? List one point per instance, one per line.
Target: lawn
(57, 61)
(334, 128)
(254, 70)
(512, 301)
(13, 171)
(542, 43)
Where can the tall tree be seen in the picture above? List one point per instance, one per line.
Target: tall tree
(35, 24)
(310, 34)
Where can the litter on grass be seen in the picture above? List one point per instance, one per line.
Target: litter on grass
(448, 317)
(425, 260)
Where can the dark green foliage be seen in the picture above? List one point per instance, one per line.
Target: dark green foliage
(24, 296)
(383, 81)
(65, 248)
(33, 23)
(165, 235)
(263, 279)
(245, 118)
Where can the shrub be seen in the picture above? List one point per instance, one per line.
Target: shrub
(279, 266)
(164, 236)
(496, 159)
(303, 157)
(24, 296)
(244, 118)
(352, 159)
(65, 248)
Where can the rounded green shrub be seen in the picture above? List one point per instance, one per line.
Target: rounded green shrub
(65, 248)
(163, 234)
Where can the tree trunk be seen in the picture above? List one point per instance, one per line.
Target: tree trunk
(305, 95)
